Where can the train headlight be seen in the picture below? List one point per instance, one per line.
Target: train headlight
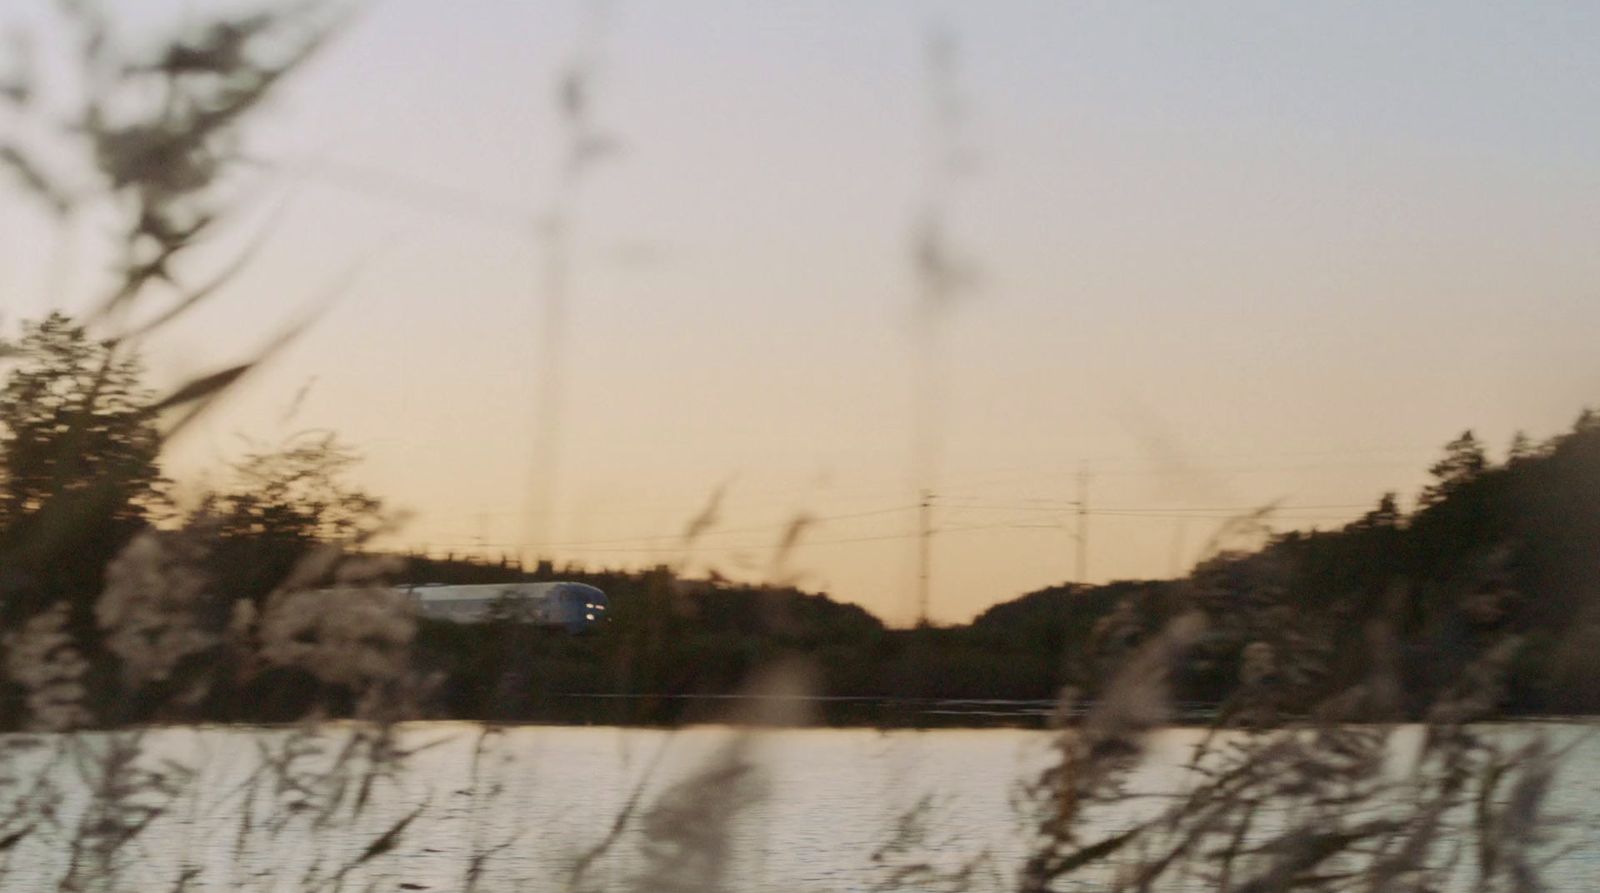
(589, 616)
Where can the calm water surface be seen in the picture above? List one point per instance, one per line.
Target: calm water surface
(527, 803)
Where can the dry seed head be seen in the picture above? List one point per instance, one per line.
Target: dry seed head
(151, 609)
(1257, 663)
(42, 658)
(1136, 700)
(357, 637)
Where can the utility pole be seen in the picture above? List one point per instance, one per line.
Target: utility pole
(924, 553)
(1082, 535)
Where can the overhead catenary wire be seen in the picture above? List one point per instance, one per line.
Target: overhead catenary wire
(763, 528)
(945, 500)
(417, 193)
(1226, 511)
(652, 544)
(681, 549)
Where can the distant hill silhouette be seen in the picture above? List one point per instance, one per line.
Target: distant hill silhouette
(1494, 553)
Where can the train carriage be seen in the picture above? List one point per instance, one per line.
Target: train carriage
(575, 607)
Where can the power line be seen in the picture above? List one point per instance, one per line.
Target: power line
(1082, 535)
(828, 493)
(1192, 470)
(1065, 506)
(601, 546)
(418, 193)
(648, 543)
(680, 550)
(1307, 519)
(608, 546)
(924, 554)
(765, 528)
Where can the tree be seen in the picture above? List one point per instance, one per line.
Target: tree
(298, 492)
(78, 477)
(144, 138)
(1386, 516)
(78, 448)
(283, 504)
(73, 417)
(1522, 447)
(1464, 461)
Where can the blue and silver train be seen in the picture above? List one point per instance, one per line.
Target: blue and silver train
(575, 607)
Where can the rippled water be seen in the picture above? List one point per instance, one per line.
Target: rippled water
(810, 819)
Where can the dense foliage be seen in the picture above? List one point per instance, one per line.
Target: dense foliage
(1492, 552)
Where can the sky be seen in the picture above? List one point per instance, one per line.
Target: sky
(1223, 256)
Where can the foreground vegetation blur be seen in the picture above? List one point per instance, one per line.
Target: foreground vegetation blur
(123, 610)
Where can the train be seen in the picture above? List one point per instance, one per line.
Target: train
(574, 607)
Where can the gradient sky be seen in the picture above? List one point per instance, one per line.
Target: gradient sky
(1227, 254)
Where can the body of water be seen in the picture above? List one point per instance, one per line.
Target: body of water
(533, 808)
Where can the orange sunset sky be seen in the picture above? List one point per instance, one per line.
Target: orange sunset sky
(1224, 254)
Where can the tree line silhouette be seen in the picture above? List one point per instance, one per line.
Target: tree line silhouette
(96, 552)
